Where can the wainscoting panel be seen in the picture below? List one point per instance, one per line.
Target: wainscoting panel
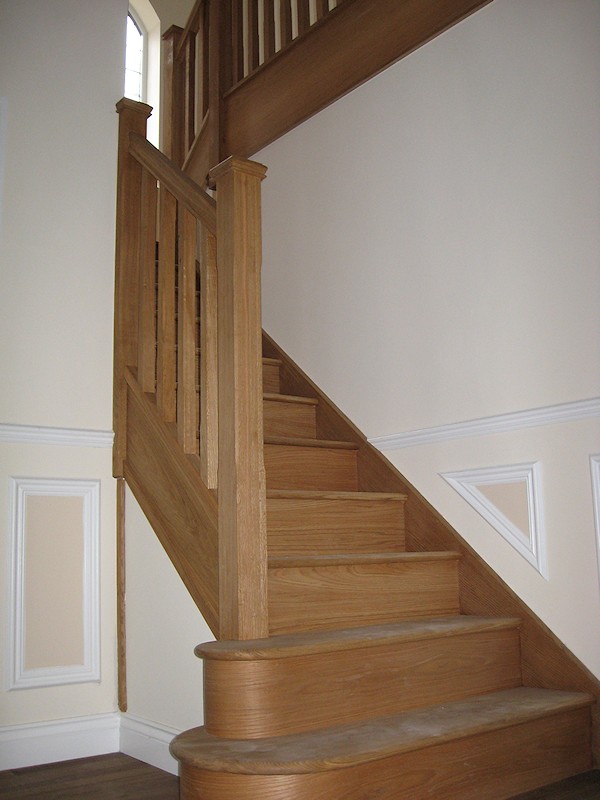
(54, 583)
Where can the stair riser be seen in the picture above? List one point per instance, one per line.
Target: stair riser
(496, 766)
(289, 419)
(328, 597)
(334, 526)
(292, 467)
(289, 695)
(271, 382)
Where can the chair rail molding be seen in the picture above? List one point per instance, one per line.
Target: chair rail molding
(532, 544)
(43, 434)
(484, 426)
(19, 676)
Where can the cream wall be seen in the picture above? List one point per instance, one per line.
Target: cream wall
(431, 257)
(61, 73)
(164, 677)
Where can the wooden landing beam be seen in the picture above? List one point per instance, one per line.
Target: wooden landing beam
(352, 44)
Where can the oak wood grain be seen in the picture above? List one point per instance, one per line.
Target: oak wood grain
(187, 191)
(411, 757)
(209, 363)
(132, 118)
(352, 43)
(287, 416)
(546, 661)
(277, 697)
(187, 406)
(326, 596)
(320, 522)
(182, 511)
(242, 502)
(166, 369)
(301, 466)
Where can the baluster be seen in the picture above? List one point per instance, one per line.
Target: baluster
(203, 44)
(209, 362)
(303, 16)
(253, 36)
(147, 291)
(285, 22)
(322, 8)
(187, 404)
(242, 495)
(190, 92)
(165, 359)
(269, 28)
(237, 41)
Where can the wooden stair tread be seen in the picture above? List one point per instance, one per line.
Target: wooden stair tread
(292, 645)
(296, 441)
(273, 362)
(307, 494)
(290, 398)
(359, 558)
(349, 745)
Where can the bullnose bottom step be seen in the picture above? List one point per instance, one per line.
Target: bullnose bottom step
(350, 745)
(493, 746)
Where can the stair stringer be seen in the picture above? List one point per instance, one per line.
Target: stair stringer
(545, 661)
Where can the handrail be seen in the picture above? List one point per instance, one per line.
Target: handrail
(242, 74)
(197, 202)
(188, 357)
(233, 40)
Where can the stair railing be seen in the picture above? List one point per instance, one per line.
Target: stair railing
(223, 43)
(188, 336)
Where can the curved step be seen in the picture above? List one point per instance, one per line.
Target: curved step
(307, 681)
(491, 746)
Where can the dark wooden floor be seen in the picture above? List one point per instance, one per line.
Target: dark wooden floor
(119, 777)
(110, 777)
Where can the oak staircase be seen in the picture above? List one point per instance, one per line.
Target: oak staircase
(362, 650)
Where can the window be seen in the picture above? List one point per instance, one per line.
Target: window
(135, 60)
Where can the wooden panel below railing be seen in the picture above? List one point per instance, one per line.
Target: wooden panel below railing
(182, 511)
(353, 43)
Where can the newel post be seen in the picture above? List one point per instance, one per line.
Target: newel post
(242, 493)
(132, 119)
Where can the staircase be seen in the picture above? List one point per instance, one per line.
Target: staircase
(372, 684)
(363, 650)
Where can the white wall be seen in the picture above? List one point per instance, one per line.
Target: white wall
(431, 256)
(164, 677)
(61, 73)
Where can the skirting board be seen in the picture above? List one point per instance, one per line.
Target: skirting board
(148, 742)
(81, 737)
(58, 740)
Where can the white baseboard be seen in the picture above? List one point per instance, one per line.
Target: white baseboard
(148, 742)
(58, 740)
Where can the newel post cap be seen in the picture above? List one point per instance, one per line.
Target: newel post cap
(237, 165)
(125, 104)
